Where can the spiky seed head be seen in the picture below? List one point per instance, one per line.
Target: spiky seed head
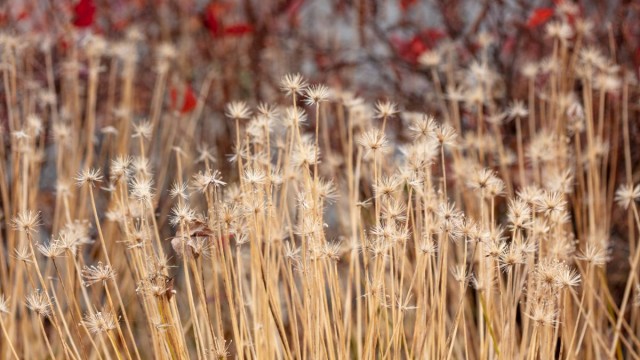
(374, 141)
(517, 109)
(385, 109)
(39, 303)
(446, 135)
(26, 221)
(143, 129)
(100, 322)
(50, 250)
(627, 194)
(237, 110)
(4, 306)
(98, 273)
(316, 94)
(89, 177)
(142, 189)
(181, 214)
(179, 190)
(293, 84)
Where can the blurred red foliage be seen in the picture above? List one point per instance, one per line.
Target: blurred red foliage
(238, 29)
(189, 100)
(539, 17)
(84, 13)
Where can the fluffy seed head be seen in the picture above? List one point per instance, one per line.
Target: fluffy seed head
(519, 215)
(255, 176)
(374, 141)
(179, 190)
(4, 307)
(220, 348)
(316, 94)
(627, 194)
(120, 167)
(445, 134)
(50, 250)
(181, 214)
(39, 303)
(552, 203)
(385, 109)
(100, 322)
(422, 127)
(293, 84)
(517, 109)
(89, 177)
(142, 190)
(98, 273)
(594, 255)
(237, 110)
(208, 179)
(26, 221)
(143, 129)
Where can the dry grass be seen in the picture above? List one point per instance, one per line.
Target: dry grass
(340, 230)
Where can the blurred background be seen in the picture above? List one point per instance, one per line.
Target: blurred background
(369, 46)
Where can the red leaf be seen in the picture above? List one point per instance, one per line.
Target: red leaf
(406, 4)
(84, 13)
(23, 15)
(189, 100)
(417, 46)
(238, 29)
(539, 17)
(410, 49)
(212, 14)
(211, 22)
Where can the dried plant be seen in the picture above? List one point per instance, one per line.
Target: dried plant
(474, 198)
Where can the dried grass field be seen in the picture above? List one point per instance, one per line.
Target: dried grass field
(297, 179)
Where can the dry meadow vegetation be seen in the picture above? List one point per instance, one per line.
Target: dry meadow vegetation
(335, 225)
